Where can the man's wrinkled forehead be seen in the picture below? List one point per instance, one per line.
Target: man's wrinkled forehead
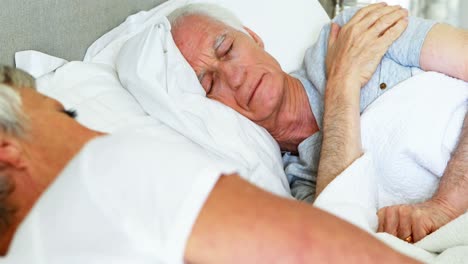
(198, 36)
(194, 27)
(218, 40)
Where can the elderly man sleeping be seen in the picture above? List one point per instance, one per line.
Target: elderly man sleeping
(63, 200)
(234, 69)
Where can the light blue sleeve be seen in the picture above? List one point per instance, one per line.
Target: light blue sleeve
(406, 50)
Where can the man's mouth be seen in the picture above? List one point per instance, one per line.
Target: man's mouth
(254, 89)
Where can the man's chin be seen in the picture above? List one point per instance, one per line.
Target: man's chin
(262, 118)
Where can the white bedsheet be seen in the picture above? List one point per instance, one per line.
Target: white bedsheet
(408, 135)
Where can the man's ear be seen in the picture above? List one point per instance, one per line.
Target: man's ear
(11, 153)
(256, 37)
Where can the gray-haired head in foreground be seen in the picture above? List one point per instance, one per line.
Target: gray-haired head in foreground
(12, 120)
(213, 11)
(13, 123)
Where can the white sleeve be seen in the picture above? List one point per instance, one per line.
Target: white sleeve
(158, 193)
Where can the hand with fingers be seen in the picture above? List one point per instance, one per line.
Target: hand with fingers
(415, 221)
(355, 50)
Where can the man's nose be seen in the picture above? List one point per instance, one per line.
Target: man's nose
(233, 74)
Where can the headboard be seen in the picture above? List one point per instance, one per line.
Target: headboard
(329, 6)
(62, 28)
(66, 28)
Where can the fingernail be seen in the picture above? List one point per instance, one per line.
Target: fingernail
(383, 3)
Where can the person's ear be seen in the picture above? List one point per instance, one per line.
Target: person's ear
(11, 153)
(255, 37)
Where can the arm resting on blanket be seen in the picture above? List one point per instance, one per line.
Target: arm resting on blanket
(450, 201)
(241, 223)
(445, 50)
(354, 53)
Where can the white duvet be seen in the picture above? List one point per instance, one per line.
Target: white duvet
(408, 135)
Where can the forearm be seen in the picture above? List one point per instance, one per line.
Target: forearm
(445, 50)
(241, 223)
(453, 187)
(353, 54)
(341, 130)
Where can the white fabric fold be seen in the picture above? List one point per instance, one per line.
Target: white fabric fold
(37, 63)
(411, 131)
(106, 48)
(357, 184)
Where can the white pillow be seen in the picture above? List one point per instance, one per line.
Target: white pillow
(151, 67)
(287, 29)
(95, 92)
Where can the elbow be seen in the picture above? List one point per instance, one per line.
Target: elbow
(310, 241)
(300, 249)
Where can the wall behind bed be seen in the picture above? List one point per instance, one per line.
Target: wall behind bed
(62, 28)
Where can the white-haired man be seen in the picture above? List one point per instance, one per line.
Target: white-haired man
(73, 195)
(234, 69)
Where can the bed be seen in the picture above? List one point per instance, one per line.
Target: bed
(94, 87)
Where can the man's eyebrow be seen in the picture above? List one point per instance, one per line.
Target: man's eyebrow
(219, 40)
